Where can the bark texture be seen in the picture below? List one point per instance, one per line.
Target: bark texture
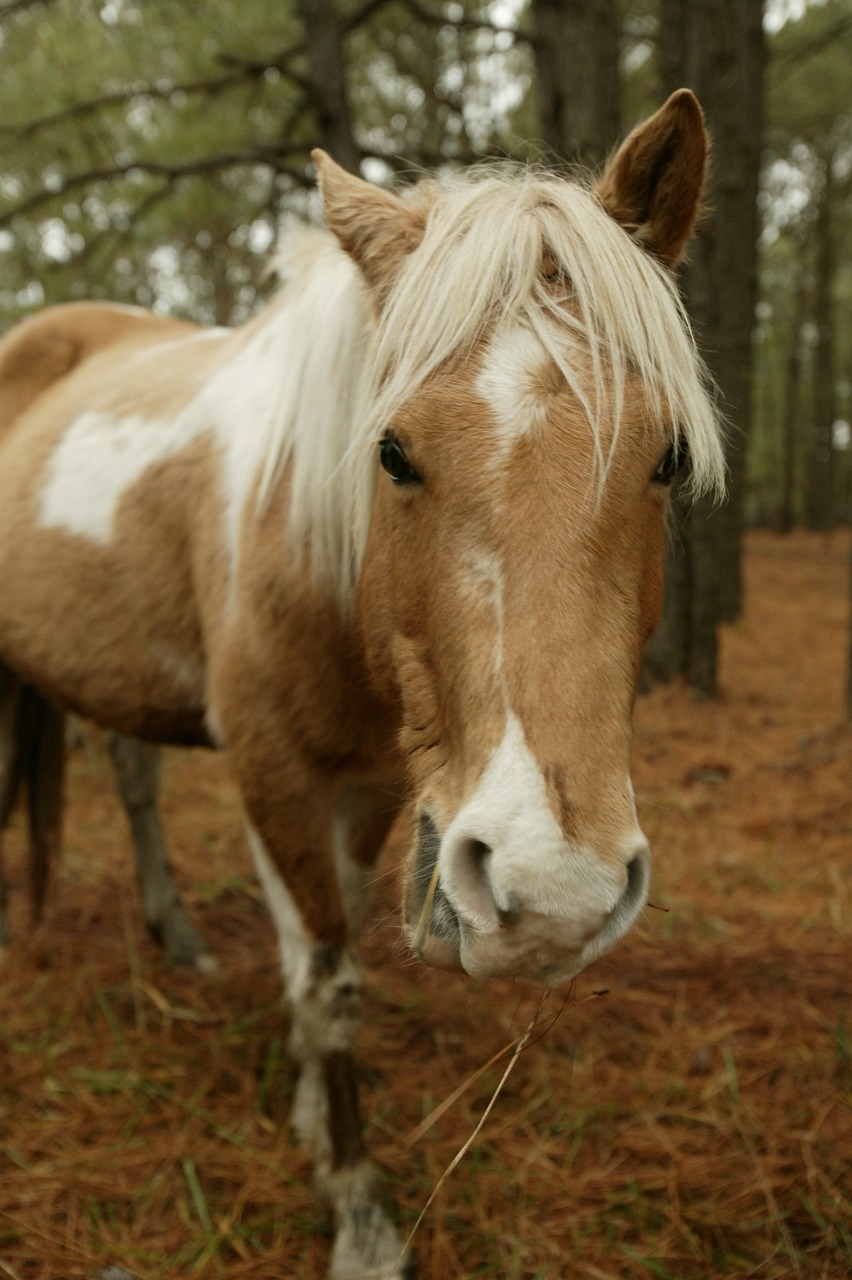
(820, 505)
(577, 77)
(717, 50)
(327, 82)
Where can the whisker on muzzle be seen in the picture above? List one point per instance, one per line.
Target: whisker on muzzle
(422, 927)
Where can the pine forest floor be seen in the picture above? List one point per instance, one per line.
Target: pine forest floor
(694, 1122)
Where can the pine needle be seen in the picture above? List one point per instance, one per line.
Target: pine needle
(520, 1044)
(426, 910)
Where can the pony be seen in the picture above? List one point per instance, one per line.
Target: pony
(397, 538)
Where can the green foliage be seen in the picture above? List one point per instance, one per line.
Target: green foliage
(153, 153)
(139, 136)
(808, 168)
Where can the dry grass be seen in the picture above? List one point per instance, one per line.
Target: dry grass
(692, 1123)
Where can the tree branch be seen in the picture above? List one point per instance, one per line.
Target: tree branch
(247, 73)
(270, 157)
(12, 7)
(805, 47)
(425, 15)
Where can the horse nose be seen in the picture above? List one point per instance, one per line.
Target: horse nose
(491, 886)
(544, 913)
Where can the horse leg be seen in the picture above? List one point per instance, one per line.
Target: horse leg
(324, 984)
(137, 770)
(363, 816)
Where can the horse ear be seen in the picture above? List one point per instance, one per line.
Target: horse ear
(375, 228)
(653, 183)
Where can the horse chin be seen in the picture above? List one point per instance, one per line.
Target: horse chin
(484, 957)
(441, 953)
(519, 956)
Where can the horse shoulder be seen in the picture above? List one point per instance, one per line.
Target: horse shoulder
(45, 348)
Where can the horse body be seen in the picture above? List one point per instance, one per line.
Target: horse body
(197, 543)
(86, 627)
(141, 590)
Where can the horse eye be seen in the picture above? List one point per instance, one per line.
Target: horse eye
(393, 459)
(673, 461)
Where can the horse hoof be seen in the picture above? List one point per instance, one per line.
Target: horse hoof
(182, 945)
(404, 1269)
(367, 1247)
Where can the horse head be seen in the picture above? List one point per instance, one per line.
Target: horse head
(535, 391)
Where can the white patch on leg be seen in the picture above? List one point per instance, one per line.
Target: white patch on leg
(325, 1017)
(326, 1005)
(366, 1243)
(295, 944)
(309, 1114)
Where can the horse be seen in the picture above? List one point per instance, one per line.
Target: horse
(397, 538)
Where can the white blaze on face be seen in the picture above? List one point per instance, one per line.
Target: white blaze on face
(530, 862)
(480, 582)
(509, 382)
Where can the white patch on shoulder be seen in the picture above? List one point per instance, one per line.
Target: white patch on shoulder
(508, 382)
(530, 860)
(97, 460)
(100, 456)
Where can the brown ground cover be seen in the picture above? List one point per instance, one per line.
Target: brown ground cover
(693, 1122)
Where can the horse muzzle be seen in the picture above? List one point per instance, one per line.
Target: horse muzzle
(472, 923)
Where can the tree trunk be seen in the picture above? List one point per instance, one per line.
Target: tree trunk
(578, 77)
(717, 49)
(790, 413)
(819, 500)
(667, 651)
(327, 82)
(849, 654)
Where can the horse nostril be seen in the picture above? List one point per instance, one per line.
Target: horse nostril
(633, 898)
(468, 879)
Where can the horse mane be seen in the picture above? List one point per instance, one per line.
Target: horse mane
(501, 248)
(315, 355)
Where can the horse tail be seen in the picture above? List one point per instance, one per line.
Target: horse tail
(32, 755)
